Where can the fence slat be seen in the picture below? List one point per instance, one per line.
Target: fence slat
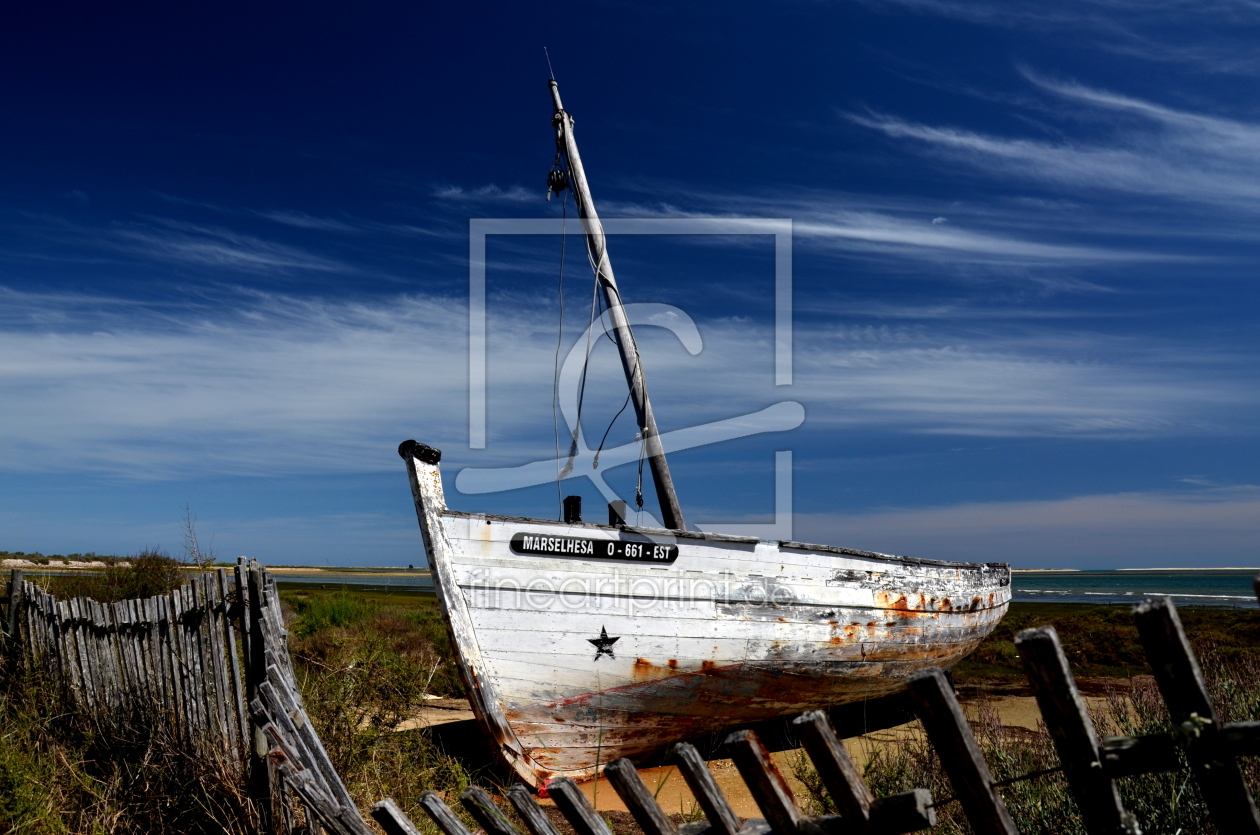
(216, 651)
(299, 779)
(486, 813)
(256, 673)
(1185, 692)
(83, 651)
(182, 666)
(392, 819)
(121, 615)
(239, 713)
(835, 769)
(139, 640)
(441, 814)
(530, 813)
(951, 736)
(1067, 720)
(634, 793)
(105, 660)
(170, 663)
(70, 655)
(153, 647)
(200, 637)
(576, 809)
(767, 786)
(722, 818)
(320, 759)
(270, 710)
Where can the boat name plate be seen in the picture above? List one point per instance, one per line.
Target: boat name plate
(597, 549)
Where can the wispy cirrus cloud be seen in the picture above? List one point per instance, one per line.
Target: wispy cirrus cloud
(124, 387)
(302, 220)
(352, 225)
(486, 194)
(215, 246)
(1216, 36)
(1018, 231)
(1150, 149)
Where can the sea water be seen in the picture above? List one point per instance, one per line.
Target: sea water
(1192, 587)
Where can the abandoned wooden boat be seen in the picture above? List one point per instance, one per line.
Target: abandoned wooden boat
(580, 643)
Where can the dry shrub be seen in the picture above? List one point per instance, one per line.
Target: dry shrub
(1162, 803)
(147, 574)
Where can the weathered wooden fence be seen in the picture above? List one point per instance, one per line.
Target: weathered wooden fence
(193, 652)
(169, 660)
(184, 665)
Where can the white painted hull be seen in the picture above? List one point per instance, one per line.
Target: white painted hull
(730, 631)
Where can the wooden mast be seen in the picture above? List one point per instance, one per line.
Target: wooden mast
(671, 512)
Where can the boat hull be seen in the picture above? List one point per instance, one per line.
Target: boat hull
(583, 643)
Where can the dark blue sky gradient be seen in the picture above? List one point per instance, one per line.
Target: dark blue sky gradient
(234, 267)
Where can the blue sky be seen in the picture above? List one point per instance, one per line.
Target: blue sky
(234, 268)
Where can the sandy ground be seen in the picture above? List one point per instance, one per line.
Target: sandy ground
(671, 790)
(59, 565)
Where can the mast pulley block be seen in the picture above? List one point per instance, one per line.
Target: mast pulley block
(557, 181)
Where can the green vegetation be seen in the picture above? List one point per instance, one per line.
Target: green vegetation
(1102, 640)
(365, 663)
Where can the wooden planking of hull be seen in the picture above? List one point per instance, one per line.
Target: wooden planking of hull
(582, 643)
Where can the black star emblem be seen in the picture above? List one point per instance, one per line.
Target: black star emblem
(603, 644)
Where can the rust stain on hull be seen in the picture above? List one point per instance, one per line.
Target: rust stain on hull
(639, 719)
(667, 704)
(829, 626)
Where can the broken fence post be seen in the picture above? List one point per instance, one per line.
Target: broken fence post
(1068, 722)
(576, 809)
(632, 791)
(486, 813)
(835, 769)
(955, 744)
(391, 818)
(1185, 693)
(722, 818)
(531, 814)
(440, 813)
(764, 782)
(859, 810)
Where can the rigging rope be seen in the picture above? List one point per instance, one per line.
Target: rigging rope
(555, 378)
(558, 180)
(586, 363)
